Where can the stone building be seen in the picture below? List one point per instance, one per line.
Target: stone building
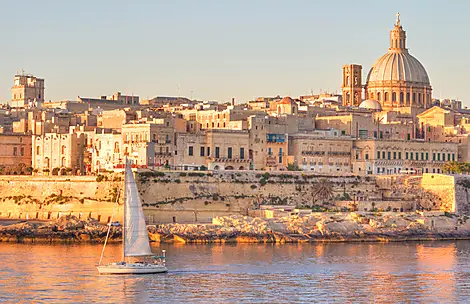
(401, 156)
(15, 150)
(352, 85)
(60, 152)
(27, 91)
(213, 150)
(152, 143)
(321, 151)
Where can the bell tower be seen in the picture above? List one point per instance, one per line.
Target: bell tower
(352, 85)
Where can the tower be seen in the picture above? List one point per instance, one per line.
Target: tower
(27, 91)
(352, 85)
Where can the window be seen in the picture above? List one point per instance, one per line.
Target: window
(229, 152)
(453, 157)
(378, 154)
(417, 155)
(438, 156)
(217, 152)
(379, 96)
(411, 155)
(443, 156)
(38, 150)
(394, 96)
(203, 149)
(406, 155)
(448, 156)
(427, 156)
(386, 96)
(208, 151)
(399, 155)
(383, 154)
(242, 153)
(62, 149)
(15, 151)
(394, 155)
(280, 155)
(422, 155)
(22, 151)
(434, 156)
(389, 154)
(270, 151)
(190, 151)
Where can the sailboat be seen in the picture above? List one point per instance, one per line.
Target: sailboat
(135, 241)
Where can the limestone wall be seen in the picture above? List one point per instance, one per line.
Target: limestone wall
(49, 197)
(443, 187)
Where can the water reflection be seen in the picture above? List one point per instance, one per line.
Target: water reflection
(341, 273)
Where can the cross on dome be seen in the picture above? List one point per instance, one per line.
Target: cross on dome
(398, 20)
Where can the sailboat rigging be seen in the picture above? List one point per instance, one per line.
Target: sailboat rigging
(135, 241)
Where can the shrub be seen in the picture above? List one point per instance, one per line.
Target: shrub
(100, 178)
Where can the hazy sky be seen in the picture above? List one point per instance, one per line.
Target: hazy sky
(223, 49)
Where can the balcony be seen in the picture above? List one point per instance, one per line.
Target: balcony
(227, 160)
(315, 153)
(163, 154)
(339, 153)
(276, 138)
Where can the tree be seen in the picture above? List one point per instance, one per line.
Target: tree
(292, 167)
(322, 190)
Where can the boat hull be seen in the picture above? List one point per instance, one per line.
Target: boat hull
(131, 268)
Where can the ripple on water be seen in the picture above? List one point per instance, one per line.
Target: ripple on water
(436, 272)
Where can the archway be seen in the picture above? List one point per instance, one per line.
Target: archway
(229, 168)
(241, 168)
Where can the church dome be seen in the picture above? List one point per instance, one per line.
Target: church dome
(398, 67)
(397, 79)
(371, 104)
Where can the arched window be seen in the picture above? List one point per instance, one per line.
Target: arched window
(116, 147)
(38, 150)
(386, 96)
(62, 163)
(414, 98)
(379, 97)
(394, 96)
(371, 95)
(401, 98)
(62, 150)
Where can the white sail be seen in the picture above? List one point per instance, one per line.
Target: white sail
(136, 241)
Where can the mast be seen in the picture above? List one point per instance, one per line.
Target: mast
(124, 215)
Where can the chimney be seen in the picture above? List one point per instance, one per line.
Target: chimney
(233, 101)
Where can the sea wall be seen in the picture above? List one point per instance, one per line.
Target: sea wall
(188, 197)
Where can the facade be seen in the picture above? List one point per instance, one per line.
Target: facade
(352, 85)
(27, 91)
(322, 152)
(213, 150)
(399, 156)
(62, 152)
(397, 79)
(15, 150)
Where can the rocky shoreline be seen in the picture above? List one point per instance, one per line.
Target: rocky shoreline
(67, 229)
(320, 227)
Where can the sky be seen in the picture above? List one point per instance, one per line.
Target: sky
(216, 50)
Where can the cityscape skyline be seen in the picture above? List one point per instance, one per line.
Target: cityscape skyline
(216, 51)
